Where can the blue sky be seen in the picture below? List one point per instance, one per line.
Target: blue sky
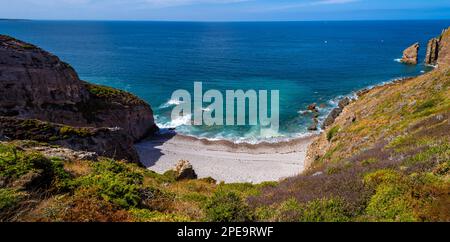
(225, 10)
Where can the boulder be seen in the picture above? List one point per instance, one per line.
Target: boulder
(331, 117)
(344, 102)
(314, 125)
(312, 107)
(410, 55)
(184, 171)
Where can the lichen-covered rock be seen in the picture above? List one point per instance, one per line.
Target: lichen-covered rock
(35, 84)
(183, 170)
(410, 55)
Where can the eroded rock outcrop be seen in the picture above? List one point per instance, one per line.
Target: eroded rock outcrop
(35, 84)
(109, 142)
(410, 55)
(329, 120)
(438, 50)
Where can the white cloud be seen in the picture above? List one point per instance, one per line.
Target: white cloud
(172, 3)
(303, 4)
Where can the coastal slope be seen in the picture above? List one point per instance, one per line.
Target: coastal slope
(384, 158)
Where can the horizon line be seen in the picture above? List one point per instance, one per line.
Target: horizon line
(221, 21)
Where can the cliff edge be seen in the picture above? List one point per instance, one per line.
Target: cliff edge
(438, 49)
(34, 84)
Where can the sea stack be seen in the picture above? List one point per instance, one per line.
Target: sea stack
(438, 49)
(432, 51)
(410, 55)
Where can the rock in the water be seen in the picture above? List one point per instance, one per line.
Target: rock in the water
(410, 55)
(312, 107)
(313, 126)
(35, 84)
(183, 171)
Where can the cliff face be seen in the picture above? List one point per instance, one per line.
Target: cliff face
(31, 78)
(410, 55)
(35, 84)
(438, 50)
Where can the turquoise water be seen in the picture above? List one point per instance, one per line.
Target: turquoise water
(306, 61)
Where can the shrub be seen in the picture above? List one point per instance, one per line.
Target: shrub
(115, 182)
(227, 207)
(325, 210)
(9, 198)
(83, 206)
(145, 215)
(392, 200)
(332, 132)
(426, 105)
(288, 211)
(369, 161)
(67, 131)
(318, 210)
(15, 163)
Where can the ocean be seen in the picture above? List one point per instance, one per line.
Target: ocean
(308, 62)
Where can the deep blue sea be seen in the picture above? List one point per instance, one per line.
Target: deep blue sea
(306, 61)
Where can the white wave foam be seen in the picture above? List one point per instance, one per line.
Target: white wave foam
(433, 66)
(399, 60)
(182, 120)
(170, 103)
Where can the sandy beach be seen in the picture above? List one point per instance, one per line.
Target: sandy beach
(226, 161)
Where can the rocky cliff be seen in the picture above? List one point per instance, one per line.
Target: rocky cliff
(438, 50)
(410, 55)
(35, 84)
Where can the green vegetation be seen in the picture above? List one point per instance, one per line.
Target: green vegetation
(227, 207)
(67, 131)
(332, 132)
(112, 94)
(9, 198)
(109, 190)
